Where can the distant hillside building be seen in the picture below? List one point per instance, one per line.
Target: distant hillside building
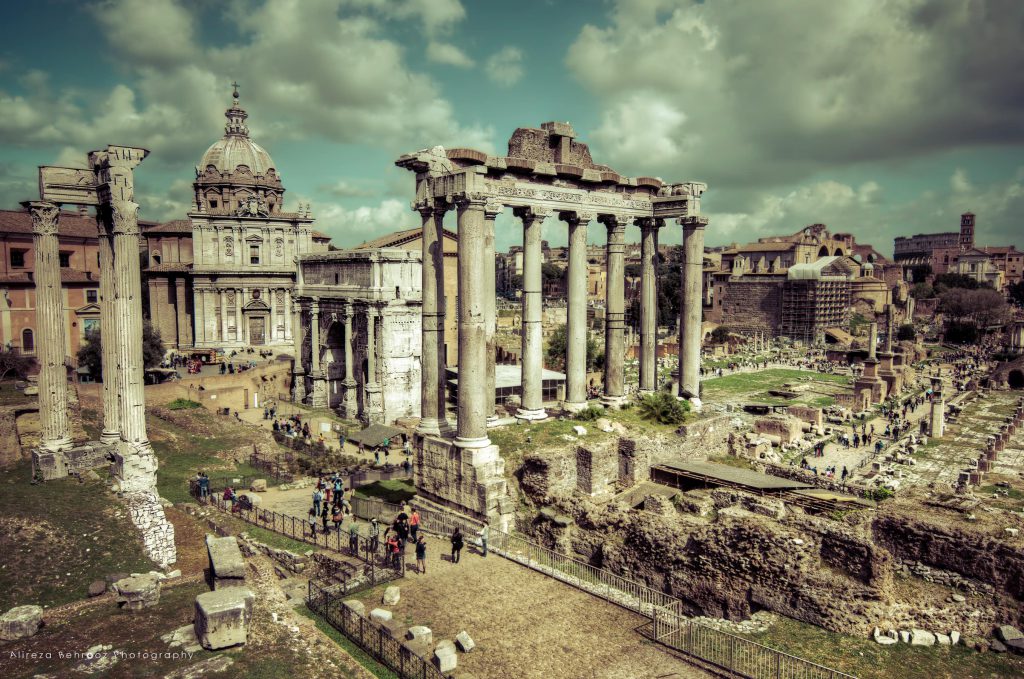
(943, 253)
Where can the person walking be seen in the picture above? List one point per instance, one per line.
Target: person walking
(324, 515)
(353, 538)
(484, 533)
(421, 555)
(317, 498)
(456, 540)
(374, 535)
(414, 524)
(312, 523)
(393, 549)
(337, 517)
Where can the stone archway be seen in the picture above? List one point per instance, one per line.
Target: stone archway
(1015, 379)
(823, 252)
(839, 252)
(334, 365)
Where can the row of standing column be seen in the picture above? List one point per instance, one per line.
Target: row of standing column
(477, 314)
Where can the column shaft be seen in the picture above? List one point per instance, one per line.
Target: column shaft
(129, 322)
(491, 211)
(648, 306)
(50, 329)
(432, 379)
(108, 333)
(298, 373)
(691, 306)
(614, 319)
(576, 314)
(319, 397)
(471, 427)
(349, 383)
(532, 366)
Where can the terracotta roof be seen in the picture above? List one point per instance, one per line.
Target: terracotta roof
(320, 234)
(179, 226)
(400, 237)
(66, 276)
(168, 267)
(72, 224)
(762, 247)
(1001, 250)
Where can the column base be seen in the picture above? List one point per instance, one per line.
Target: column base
(110, 437)
(493, 421)
(56, 445)
(434, 427)
(695, 404)
(574, 406)
(614, 402)
(481, 442)
(535, 415)
(643, 391)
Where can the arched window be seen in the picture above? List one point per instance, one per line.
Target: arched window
(28, 340)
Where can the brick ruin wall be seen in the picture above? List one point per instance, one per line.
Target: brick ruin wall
(752, 306)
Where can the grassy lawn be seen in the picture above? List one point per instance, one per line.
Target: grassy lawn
(869, 660)
(361, 656)
(755, 387)
(395, 491)
(267, 537)
(9, 396)
(58, 537)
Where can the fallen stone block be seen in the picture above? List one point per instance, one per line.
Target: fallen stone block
(355, 606)
(998, 646)
(392, 595)
(954, 637)
(1007, 633)
(580, 431)
(421, 633)
(258, 485)
(464, 642)
(920, 637)
(222, 617)
(138, 592)
(904, 636)
(20, 622)
(444, 656)
(380, 615)
(942, 639)
(227, 566)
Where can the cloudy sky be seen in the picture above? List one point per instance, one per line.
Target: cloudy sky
(878, 117)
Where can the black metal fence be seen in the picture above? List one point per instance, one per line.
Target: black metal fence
(377, 640)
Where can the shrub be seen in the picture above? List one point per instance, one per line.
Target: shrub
(589, 414)
(183, 404)
(663, 408)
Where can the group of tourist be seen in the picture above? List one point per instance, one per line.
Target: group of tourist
(330, 504)
(293, 427)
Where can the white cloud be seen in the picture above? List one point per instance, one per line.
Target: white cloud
(505, 67)
(351, 226)
(960, 182)
(653, 127)
(155, 33)
(345, 189)
(449, 54)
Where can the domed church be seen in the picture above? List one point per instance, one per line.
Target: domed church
(224, 278)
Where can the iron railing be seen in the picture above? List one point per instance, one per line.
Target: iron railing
(377, 640)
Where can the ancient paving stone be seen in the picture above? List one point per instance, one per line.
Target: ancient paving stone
(222, 617)
(20, 622)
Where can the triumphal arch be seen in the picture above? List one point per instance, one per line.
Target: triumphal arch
(547, 173)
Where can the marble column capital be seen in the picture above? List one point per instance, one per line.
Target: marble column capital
(124, 217)
(615, 222)
(693, 222)
(530, 214)
(470, 201)
(492, 209)
(45, 216)
(575, 217)
(650, 223)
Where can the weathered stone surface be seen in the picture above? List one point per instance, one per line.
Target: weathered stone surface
(185, 638)
(138, 591)
(998, 646)
(226, 562)
(1007, 633)
(258, 485)
(954, 637)
(222, 617)
(355, 606)
(392, 595)
(920, 637)
(97, 587)
(942, 639)
(421, 633)
(20, 622)
(464, 642)
(444, 656)
(418, 648)
(98, 659)
(380, 615)
(217, 663)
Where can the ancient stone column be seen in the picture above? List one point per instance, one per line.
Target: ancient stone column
(648, 304)
(50, 330)
(872, 341)
(318, 398)
(937, 416)
(576, 314)
(433, 420)
(491, 211)
(374, 411)
(471, 427)
(614, 317)
(532, 366)
(349, 383)
(691, 305)
(108, 332)
(298, 373)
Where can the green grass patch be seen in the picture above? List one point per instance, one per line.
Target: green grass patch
(269, 537)
(866, 659)
(59, 536)
(9, 396)
(362, 657)
(395, 491)
(756, 385)
(183, 404)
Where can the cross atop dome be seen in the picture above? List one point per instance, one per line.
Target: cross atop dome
(236, 116)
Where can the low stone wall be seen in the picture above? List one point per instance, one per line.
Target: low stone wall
(807, 476)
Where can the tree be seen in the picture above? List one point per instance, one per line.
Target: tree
(948, 281)
(90, 354)
(906, 332)
(921, 272)
(15, 363)
(720, 335)
(1015, 293)
(663, 408)
(922, 291)
(555, 354)
(515, 284)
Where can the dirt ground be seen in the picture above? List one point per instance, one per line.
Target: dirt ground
(525, 624)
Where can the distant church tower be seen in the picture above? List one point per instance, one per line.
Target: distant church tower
(966, 231)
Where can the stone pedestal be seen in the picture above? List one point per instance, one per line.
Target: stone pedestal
(138, 592)
(469, 480)
(222, 617)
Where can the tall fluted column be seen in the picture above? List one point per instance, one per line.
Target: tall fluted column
(491, 211)
(374, 411)
(872, 341)
(691, 305)
(614, 315)
(648, 304)
(298, 373)
(532, 379)
(576, 314)
(108, 332)
(319, 396)
(50, 330)
(350, 401)
(433, 420)
(471, 427)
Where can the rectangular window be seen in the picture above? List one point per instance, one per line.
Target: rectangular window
(65, 260)
(254, 254)
(17, 259)
(92, 296)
